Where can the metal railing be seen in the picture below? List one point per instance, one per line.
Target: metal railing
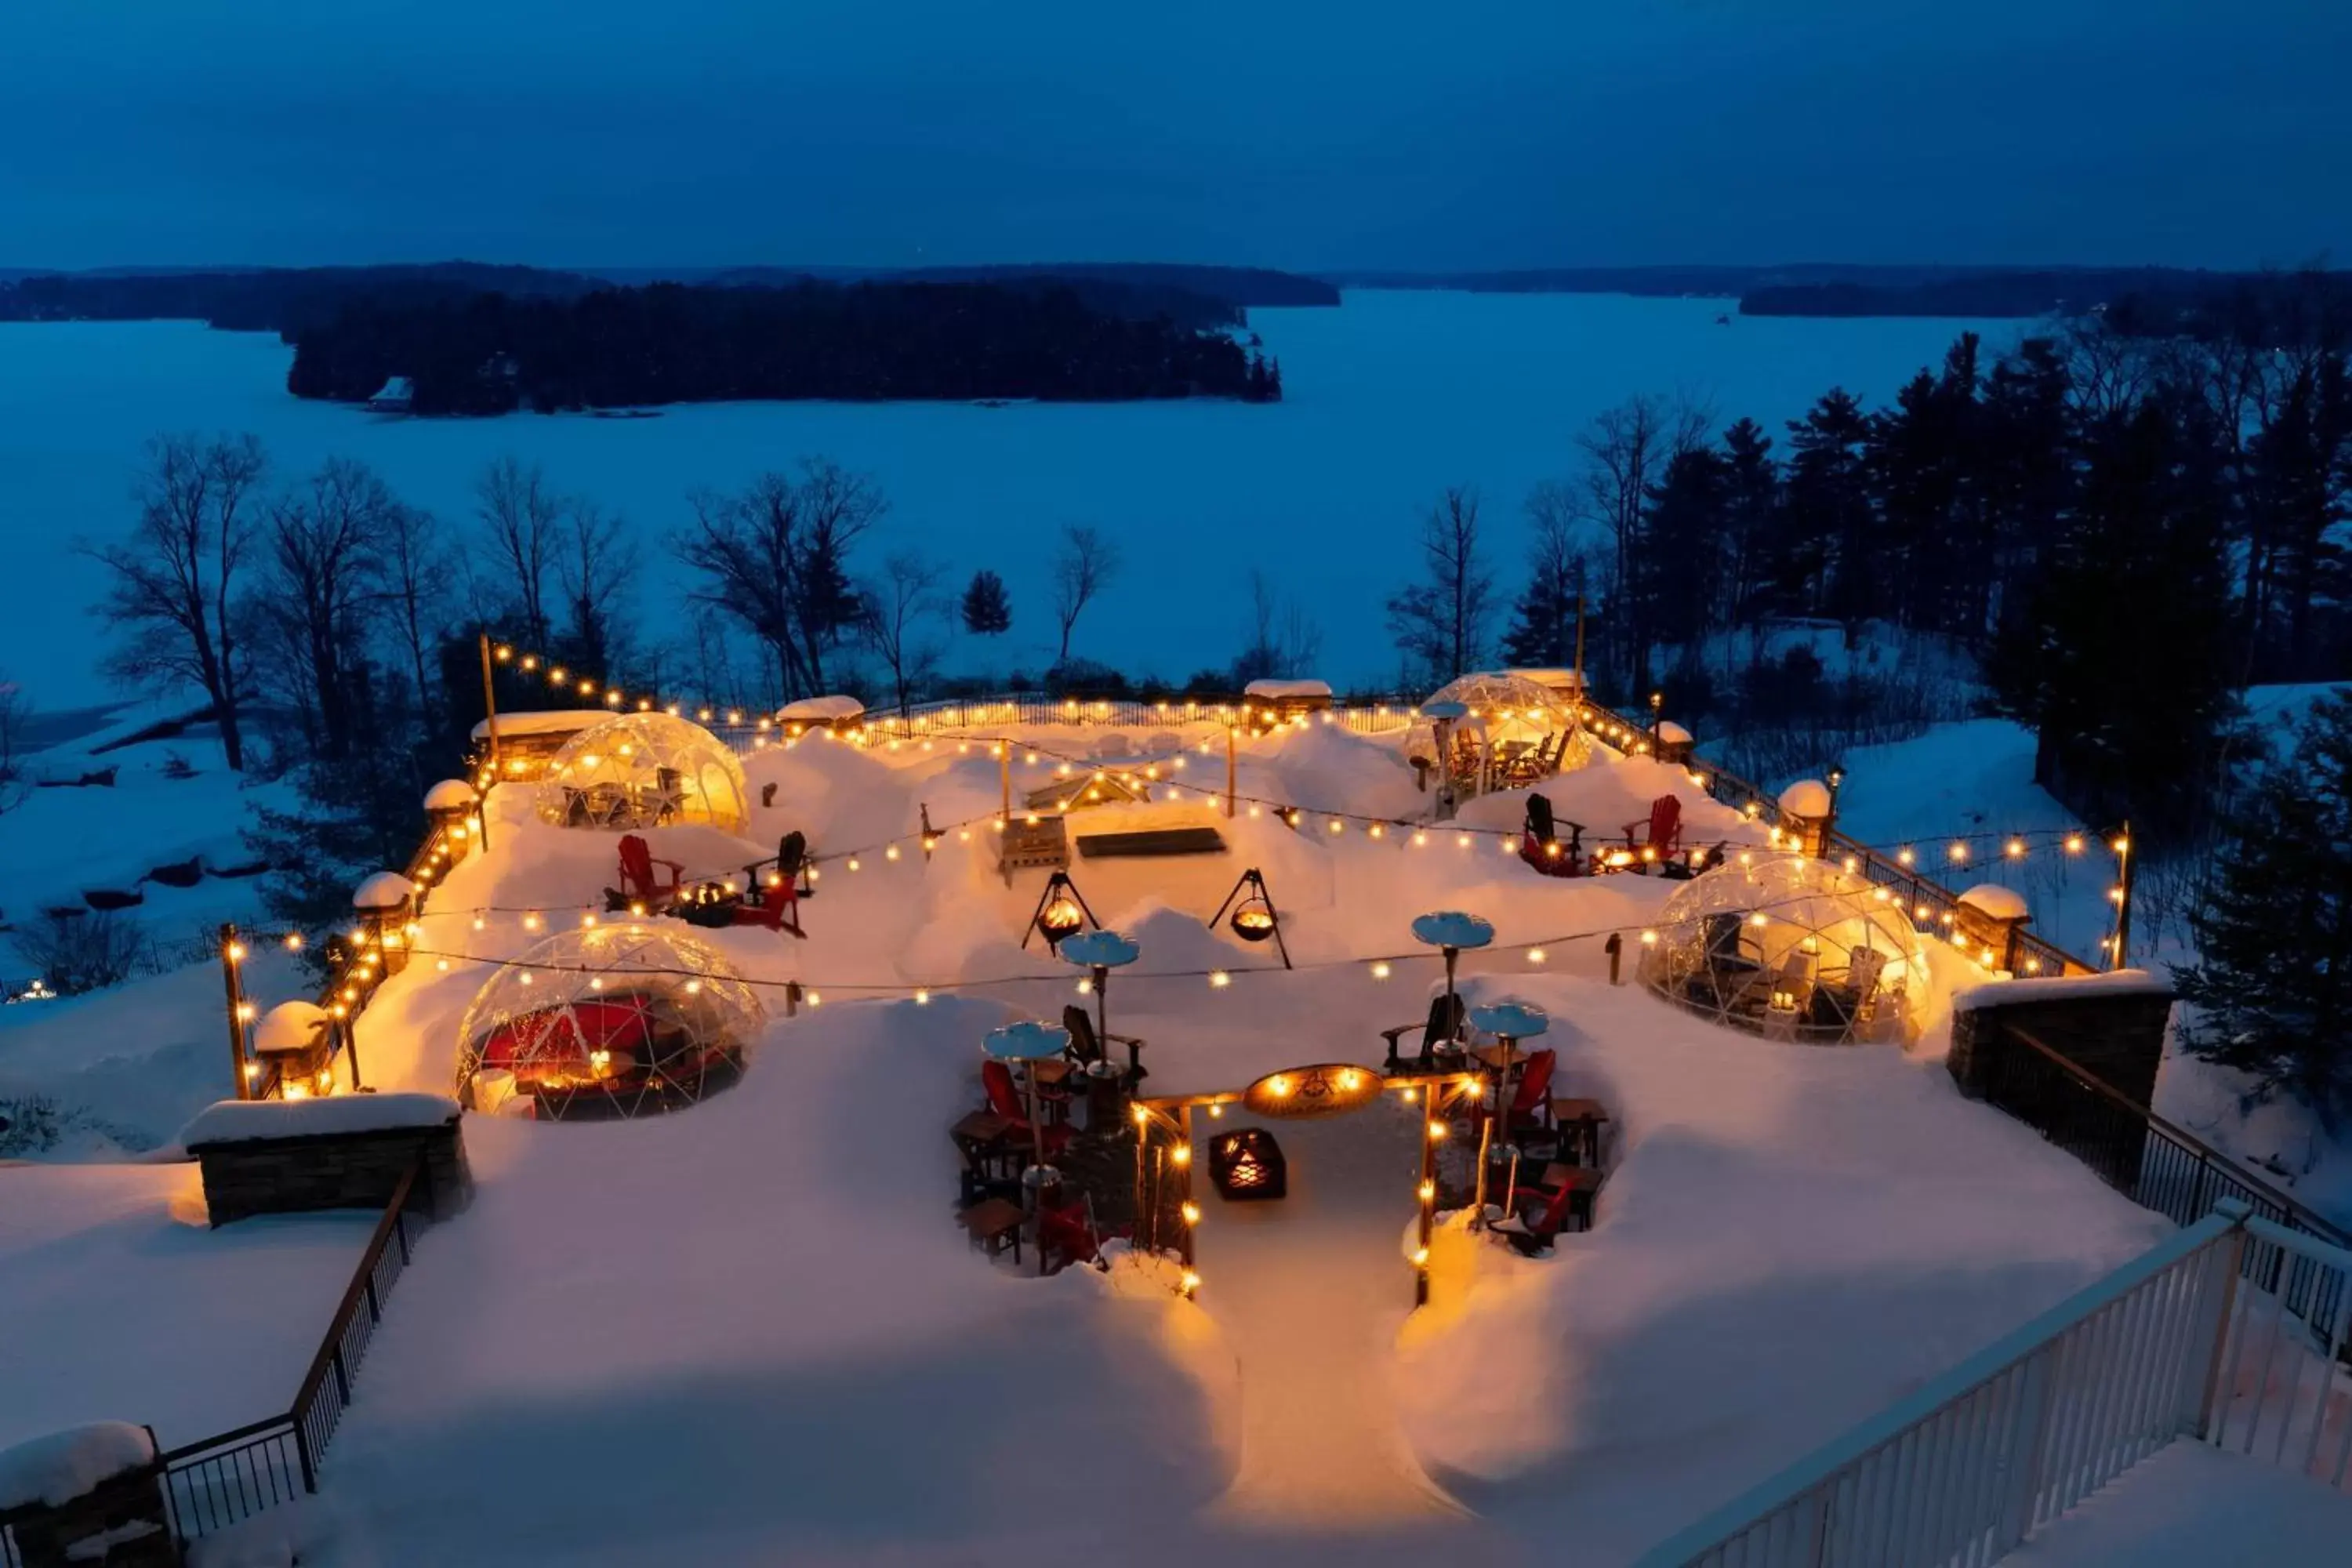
(219, 1481)
(1963, 1472)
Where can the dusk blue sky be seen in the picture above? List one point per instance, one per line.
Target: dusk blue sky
(1289, 133)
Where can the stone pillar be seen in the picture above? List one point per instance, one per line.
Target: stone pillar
(385, 903)
(1675, 743)
(1988, 920)
(123, 1520)
(449, 807)
(1805, 816)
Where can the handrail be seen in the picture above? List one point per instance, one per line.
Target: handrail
(2234, 1169)
(361, 1278)
(1791, 1485)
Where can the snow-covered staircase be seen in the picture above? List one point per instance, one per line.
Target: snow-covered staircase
(2231, 1333)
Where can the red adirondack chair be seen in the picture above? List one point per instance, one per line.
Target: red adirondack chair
(1546, 1211)
(1005, 1099)
(638, 883)
(1531, 1101)
(1662, 836)
(1062, 1231)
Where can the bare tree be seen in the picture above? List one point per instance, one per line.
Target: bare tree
(14, 712)
(321, 554)
(523, 515)
(774, 557)
(905, 613)
(1440, 622)
(415, 591)
(174, 588)
(1082, 566)
(1285, 641)
(595, 558)
(1626, 450)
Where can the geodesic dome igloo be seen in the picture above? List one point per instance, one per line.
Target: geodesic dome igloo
(1518, 730)
(645, 769)
(1790, 947)
(611, 1021)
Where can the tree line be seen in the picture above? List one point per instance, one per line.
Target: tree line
(491, 353)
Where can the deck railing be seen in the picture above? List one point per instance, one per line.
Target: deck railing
(2182, 1343)
(219, 1481)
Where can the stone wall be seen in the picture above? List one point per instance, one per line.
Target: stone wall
(125, 1522)
(334, 1170)
(2115, 1034)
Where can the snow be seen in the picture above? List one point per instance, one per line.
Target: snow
(62, 1466)
(449, 795)
(290, 1028)
(549, 722)
(820, 709)
(1276, 691)
(1994, 901)
(120, 1302)
(251, 1121)
(2058, 988)
(2189, 1506)
(1806, 797)
(1672, 735)
(384, 890)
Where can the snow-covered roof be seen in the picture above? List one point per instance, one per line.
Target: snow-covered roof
(384, 891)
(1806, 797)
(1027, 1040)
(1444, 708)
(1109, 948)
(1672, 733)
(820, 709)
(290, 1027)
(1996, 902)
(1276, 691)
(449, 795)
(2059, 988)
(1519, 1019)
(1451, 927)
(62, 1466)
(547, 722)
(253, 1121)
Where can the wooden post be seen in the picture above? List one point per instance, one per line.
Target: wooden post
(1580, 703)
(2125, 862)
(1231, 768)
(489, 717)
(236, 990)
(1427, 1192)
(1005, 777)
(1184, 1182)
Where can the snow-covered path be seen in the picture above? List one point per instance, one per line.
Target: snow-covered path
(1309, 1291)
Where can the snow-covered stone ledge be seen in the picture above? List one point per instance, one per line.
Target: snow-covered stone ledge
(87, 1494)
(273, 1156)
(2111, 1025)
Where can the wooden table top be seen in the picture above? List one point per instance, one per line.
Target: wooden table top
(1578, 1111)
(993, 1217)
(1571, 1175)
(980, 1127)
(1051, 1069)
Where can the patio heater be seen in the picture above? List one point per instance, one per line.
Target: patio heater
(1030, 1042)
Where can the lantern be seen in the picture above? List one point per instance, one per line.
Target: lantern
(1248, 1164)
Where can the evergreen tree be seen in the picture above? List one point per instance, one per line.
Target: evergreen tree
(2272, 989)
(1679, 576)
(1542, 634)
(1751, 501)
(987, 609)
(1826, 544)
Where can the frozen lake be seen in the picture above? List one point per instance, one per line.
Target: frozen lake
(1387, 400)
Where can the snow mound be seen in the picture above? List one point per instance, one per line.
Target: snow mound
(1996, 902)
(249, 1121)
(290, 1027)
(1806, 797)
(65, 1465)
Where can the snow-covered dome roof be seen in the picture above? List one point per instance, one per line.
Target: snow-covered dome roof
(1806, 797)
(290, 1028)
(1564, 682)
(1026, 1040)
(645, 769)
(828, 710)
(1108, 948)
(1505, 711)
(449, 795)
(1521, 1020)
(1453, 928)
(1994, 901)
(384, 891)
(612, 1020)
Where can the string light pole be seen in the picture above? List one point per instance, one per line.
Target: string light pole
(232, 951)
(2125, 863)
(1233, 767)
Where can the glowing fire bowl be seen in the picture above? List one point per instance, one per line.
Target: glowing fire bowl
(1248, 1164)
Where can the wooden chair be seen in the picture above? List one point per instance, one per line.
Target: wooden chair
(1661, 833)
(1842, 1006)
(1087, 1047)
(1540, 843)
(1443, 1035)
(1530, 1107)
(638, 883)
(1580, 1120)
(1561, 1201)
(1004, 1099)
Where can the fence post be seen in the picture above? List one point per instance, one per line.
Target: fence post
(2037, 1395)
(2217, 1323)
(302, 1450)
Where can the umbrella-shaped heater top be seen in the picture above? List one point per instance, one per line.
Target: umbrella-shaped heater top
(1026, 1040)
(1451, 927)
(1511, 1018)
(1101, 949)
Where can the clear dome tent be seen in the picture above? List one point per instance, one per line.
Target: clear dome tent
(1789, 947)
(1516, 731)
(610, 1021)
(645, 769)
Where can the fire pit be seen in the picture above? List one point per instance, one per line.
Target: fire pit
(1247, 1165)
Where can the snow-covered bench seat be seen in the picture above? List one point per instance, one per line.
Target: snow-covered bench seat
(276, 1156)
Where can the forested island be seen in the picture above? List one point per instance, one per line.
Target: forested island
(666, 342)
